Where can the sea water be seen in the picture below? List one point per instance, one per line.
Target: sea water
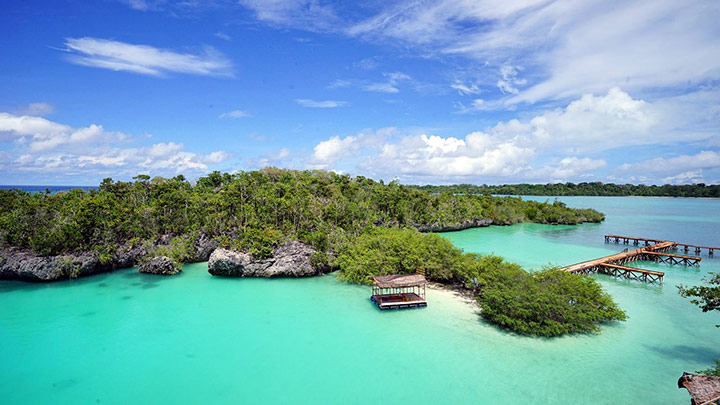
(125, 337)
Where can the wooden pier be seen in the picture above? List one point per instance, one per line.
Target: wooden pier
(637, 241)
(632, 273)
(670, 258)
(614, 265)
(654, 250)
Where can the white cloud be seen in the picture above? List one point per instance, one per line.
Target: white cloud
(36, 109)
(46, 148)
(141, 5)
(281, 154)
(574, 47)
(367, 63)
(588, 124)
(678, 164)
(551, 145)
(41, 134)
(311, 15)
(306, 102)
(389, 85)
(509, 79)
(327, 153)
(216, 157)
(145, 59)
(223, 35)
(693, 176)
(235, 114)
(465, 89)
(568, 168)
(423, 156)
(280, 158)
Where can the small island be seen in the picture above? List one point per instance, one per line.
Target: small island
(286, 223)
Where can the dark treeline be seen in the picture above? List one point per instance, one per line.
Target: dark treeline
(582, 189)
(251, 211)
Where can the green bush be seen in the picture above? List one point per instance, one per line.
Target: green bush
(399, 251)
(547, 303)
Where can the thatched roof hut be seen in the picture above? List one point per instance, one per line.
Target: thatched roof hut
(395, 291)
(703, 389)
(399, 280)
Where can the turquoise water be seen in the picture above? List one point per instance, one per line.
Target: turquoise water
(126, 337)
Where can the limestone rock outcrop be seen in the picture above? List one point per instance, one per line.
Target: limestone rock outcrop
(162, 265)
(290, 259)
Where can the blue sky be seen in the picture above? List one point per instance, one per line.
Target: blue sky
(449, 91)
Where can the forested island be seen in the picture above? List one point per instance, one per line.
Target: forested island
(581, 189)
(317, 221)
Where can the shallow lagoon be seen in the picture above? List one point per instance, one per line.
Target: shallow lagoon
(127, 337)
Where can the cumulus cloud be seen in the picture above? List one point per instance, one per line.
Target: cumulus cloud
(279, 158)
(551, 145)
(145, 59)
(40, 134)
(568, 168)
(678, 164)
(46, 148)
(327, 153)
(306, 102)
(216, 157)
(235, 114)
(423, 156)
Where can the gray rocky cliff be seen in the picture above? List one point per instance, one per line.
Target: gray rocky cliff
(24, 264)
(162, 265)
(291, 259)
(467, 224)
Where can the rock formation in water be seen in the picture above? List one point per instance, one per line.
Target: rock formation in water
(160, 265)
(467, 224)
(24, 264)
(290, 259)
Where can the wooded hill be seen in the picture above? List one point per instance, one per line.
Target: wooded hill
(251, 211)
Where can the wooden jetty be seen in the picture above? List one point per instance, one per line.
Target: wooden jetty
(670, 258)
(614, 265)
(636, 241)
(397, 291)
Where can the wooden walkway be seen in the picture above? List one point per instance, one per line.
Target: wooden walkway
(654, 250)
(670, 258)
(636, 241)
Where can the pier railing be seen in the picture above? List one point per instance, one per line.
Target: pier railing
(654, 250)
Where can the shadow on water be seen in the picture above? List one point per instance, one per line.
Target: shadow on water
(655, 288)
(65, 384)
(144, 281)
(15, 285)
(683, 352)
